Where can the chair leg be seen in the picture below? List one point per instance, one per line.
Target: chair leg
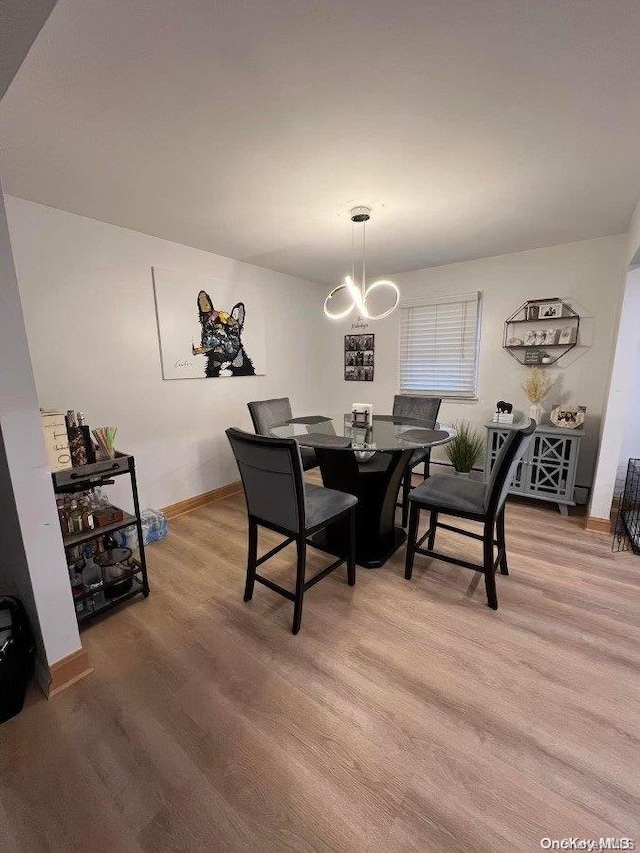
(433, 520)
(502, 544)
(412, 538)
(351, 560)
(297, 608)
(489, 574)
(252, 557)
(406, 488)
(427, 463)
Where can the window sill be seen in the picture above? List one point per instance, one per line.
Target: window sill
(443, 397)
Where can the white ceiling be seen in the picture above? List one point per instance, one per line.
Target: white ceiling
(249, 127)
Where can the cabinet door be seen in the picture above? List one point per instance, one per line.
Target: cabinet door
(495, 440)
(552, 466)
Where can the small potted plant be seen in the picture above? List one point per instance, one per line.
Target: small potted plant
(536, 387)
(465, 449)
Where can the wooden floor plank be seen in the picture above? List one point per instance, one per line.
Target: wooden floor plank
(404, 716)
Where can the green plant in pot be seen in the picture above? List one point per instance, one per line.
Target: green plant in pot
(466, 448)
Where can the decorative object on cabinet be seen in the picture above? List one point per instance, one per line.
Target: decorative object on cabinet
(536, 386)
(521, 344)
(95, 585)
(568, 417)
(627, 527)
(466, 448)
(205, 332)
(503, 413)
(548, 470)
(359, 358)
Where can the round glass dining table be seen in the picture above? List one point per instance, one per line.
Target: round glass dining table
(370, 463)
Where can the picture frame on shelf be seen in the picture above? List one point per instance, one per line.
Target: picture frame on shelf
(533, 357)
(549, 310)
(531, 312)
(567, 335)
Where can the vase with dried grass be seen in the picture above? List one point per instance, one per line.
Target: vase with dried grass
(536, 387)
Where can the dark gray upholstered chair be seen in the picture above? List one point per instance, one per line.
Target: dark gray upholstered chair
(268, 413)
(278, 498)
(463, 498)
(425, 409)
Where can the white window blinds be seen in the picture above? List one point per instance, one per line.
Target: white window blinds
(439, 346)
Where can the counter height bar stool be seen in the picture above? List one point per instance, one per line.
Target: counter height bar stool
(425, 409)
(267, 413)
(279, 499)
(463, 498)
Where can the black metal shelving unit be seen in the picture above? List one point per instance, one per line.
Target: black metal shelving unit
(627, 528)
(527, 313)
(83, 478)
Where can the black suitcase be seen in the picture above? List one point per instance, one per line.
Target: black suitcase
(17, 656)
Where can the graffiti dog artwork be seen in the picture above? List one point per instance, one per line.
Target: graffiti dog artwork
(221, 341)
(206, 331)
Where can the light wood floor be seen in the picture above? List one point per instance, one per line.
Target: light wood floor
(404, 716)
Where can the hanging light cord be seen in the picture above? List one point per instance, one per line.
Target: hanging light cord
(364, 268)
(353, 251)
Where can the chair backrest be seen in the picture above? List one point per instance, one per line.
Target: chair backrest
(513, 449)
(271, 474)
(268, 413)
(422, 408)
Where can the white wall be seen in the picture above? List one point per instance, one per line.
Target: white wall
(32, 560)
(633, 237)
(618, 400)
(589, 274)
(631, 438)
(87, 293)
(88, 303)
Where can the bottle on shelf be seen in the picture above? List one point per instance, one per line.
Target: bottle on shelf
(77, 447)
(66, 512)
(75, 518)
(86, 436)
(61, 515)
(109, 542)
(98, 499)
(77, 587)
(86, 513)
(92, 573)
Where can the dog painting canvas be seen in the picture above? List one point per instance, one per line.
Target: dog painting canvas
(208, 328)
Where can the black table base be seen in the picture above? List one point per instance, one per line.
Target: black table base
(376, 484)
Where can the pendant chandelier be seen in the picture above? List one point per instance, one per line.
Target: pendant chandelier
(360, 293)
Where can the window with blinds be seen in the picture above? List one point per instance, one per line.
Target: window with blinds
(439, 346)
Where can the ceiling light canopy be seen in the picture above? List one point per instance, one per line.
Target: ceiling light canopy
(360, 294)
